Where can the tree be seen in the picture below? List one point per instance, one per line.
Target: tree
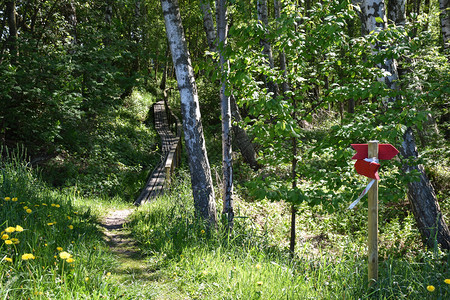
(373, 20)
(420, 192)
(202, 188)
(12, 39)
(444, 6)
(241, 138)
(227, 161)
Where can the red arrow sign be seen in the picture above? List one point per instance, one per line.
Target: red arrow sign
(385, 151)
(368, 169)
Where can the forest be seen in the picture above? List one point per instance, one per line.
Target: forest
(267, 201)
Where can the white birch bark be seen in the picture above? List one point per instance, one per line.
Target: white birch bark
(263, 17)
(208, 24)
(421, 194)
(444, 6)
(202, 188)
(241, 137)
(227, 163)
(373, 12)
(396, 12)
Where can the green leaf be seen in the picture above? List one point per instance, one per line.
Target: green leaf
(379, 20)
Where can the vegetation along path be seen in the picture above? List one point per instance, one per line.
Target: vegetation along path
(117, 236)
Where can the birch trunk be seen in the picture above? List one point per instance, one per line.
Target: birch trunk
(444, 6)
(202, 188)
(227, 164)
(241, 137)
(422, 197)
(396, 10)
(208, 24)
(263, 17)
(373, 10)
(421, 194)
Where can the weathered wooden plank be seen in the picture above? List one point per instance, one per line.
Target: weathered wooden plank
(171, 153)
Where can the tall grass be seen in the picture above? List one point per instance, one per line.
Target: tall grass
(49, 248)
(250, 263)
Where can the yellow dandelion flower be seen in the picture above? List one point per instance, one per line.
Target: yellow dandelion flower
(70, 226)
(7, 198)
(19, 228)
(9, 259)
(44, 204)
(70, 260)
(86, 279)
(258, 266)
(203, 232)
(447, 281)
(25, 207)
(36, 205)
(50, 224)
(53, 204)
(68, 218)
(29, 211)
(59, 249)
(430, 288)
(8, 242)
(75, 213)
(10, 229)
(45, 244)
(5, 237)
(14, 199)
(64, 255)
(57, 205)
(15, 241)
(28, 256)
(259, 283)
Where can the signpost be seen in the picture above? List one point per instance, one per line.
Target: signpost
(367, 156)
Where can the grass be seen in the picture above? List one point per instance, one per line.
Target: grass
(253, 262)
(60, 253)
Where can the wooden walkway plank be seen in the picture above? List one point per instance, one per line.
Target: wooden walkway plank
(171, 154)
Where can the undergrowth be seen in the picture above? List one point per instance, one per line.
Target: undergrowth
(253, 262)
(51, 245)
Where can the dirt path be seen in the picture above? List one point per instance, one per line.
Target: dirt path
(117, 237)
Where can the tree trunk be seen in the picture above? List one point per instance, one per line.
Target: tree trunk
(263, 16)
(444, 6)
(422, 197)
(202, 188)
(10, 13)
(373, 10)
(208, 24)
(283, 66)
(227, 163)
(396, 12)
(241, 137)
(420, 193)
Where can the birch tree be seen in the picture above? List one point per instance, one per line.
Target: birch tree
(202, 188)
(444, 6)
(241, 138)
(227, 165)
(373, 20)
(421, 194)
(263, 17)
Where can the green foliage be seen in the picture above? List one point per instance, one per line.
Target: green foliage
(327, 68)
(252, 262)
(47, 226)
(114, 158)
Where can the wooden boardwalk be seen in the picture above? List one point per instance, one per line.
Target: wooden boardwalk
(171, 153)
